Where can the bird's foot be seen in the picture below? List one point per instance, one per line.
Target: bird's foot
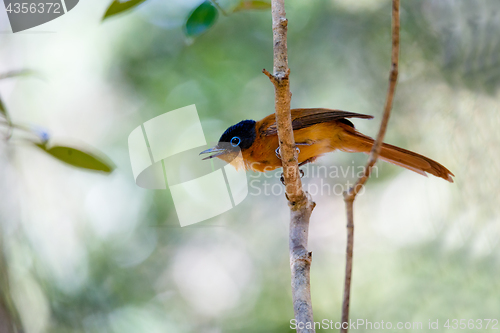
(278, 152)
(282, 177)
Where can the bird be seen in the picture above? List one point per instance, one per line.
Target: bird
(317, 131)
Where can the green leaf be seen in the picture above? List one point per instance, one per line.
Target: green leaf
(78, 158)
(118, 7)
(200, 19)
(3, 111)
(248, 5)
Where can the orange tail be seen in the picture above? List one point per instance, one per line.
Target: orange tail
(357, 142)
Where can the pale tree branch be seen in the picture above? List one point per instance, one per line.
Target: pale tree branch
(350, 194)
(300, 203)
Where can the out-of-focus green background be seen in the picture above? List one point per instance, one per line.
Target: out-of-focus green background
(84, 252)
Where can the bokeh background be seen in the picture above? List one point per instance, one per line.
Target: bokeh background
(88, 252)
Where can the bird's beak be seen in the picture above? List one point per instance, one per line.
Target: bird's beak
(218, 151)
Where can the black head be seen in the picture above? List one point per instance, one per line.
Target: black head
(237, 137)
(241, 135)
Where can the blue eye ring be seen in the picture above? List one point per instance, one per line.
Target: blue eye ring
(235, 141)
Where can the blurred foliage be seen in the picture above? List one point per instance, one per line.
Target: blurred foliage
(70, 155)
(118, 7)
(139, 271)
(462, 35)
(201, 17)
(22, 72)
(3, 110)
(246, 5)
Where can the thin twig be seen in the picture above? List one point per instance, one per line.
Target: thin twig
(11, 127)
(350, 195)
(219, 7)
(20, 127)
(300, 203)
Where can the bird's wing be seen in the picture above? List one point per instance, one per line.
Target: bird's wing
(302, 118)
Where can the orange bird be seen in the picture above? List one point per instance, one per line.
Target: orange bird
(316, 132)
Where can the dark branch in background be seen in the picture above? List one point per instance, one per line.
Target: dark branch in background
(300, 203)
(350, 195)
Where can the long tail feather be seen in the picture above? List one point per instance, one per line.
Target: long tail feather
(357, 142)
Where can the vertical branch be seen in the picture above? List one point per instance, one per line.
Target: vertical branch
(300, 203)
(350, 194)
(348, 263)
(281, 82)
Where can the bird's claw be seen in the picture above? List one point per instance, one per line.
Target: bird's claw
(278, 152)
(282, 177)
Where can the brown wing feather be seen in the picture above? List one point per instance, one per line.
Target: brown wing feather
(302, 118)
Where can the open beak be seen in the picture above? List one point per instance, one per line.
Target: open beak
(216, 150)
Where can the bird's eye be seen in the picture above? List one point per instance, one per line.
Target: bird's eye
(235, 141)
